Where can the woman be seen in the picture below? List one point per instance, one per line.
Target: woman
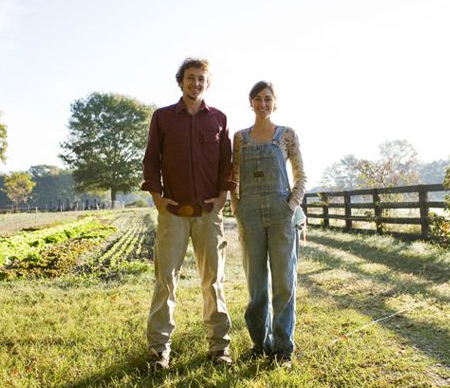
(264, 206)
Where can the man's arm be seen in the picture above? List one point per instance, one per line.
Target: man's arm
(152, 166)
(161, 202)
(152, 159)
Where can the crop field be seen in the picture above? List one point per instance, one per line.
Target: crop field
(127, 251)
(372, 311)
(99, 243)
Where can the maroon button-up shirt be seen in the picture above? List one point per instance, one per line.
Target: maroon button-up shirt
(192, 155)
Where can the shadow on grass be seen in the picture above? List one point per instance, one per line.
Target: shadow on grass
(428, 337)
(429, 267)
(193, 373)
(371, 255)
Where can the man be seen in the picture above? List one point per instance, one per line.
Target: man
(190, 149)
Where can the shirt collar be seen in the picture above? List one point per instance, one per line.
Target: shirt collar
(180, 106)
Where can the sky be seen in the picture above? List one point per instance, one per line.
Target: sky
(350, 74)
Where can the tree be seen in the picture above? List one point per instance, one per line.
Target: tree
(53, 185)
(18, 187)
(41, 170)
(447, 182)
(403, 160)
(397, 166)
(3, 143)
(433, 172)
(107, 139)
(342, 175)
(4, 200)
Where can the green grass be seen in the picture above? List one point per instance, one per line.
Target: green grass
(84, 331)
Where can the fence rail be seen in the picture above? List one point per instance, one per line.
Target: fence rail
(377, 201)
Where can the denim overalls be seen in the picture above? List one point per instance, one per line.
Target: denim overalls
(268, 238)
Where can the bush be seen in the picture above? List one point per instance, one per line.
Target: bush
(446, 184)
(138, 203)
(440, 225)
(440, 229)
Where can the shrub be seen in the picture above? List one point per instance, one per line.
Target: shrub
(137, 203)
(440, 225)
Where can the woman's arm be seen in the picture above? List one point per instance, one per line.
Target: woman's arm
(235, 170)
(298, 172)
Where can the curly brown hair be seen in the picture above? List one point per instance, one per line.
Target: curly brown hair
(198, 63)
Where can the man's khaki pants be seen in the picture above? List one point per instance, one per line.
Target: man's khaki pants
(172, 237)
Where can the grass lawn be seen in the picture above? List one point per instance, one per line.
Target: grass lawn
(371, 312)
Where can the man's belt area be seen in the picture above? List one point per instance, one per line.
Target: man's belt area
(190, 210)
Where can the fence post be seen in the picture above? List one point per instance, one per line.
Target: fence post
(423, 199)
(326, 220)
(348, 211)
(377, 210)
(305, 207)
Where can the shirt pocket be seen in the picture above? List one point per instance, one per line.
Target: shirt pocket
(211, 144)
(210, 136)
(175, 143)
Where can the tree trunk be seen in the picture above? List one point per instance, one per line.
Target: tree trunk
(113, 194)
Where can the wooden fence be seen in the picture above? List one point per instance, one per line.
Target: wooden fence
(376, 209)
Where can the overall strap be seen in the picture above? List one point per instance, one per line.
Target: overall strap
(278, 133)
(245, 135)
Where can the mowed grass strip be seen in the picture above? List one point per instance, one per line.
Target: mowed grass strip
(84, 332)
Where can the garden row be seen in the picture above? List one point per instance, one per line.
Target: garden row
(97, 242)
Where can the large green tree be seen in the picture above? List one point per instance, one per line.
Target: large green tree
(107, 139)
(3, 143)
(18, 186)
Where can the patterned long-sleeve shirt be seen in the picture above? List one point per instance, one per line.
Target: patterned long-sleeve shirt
(290, 147)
